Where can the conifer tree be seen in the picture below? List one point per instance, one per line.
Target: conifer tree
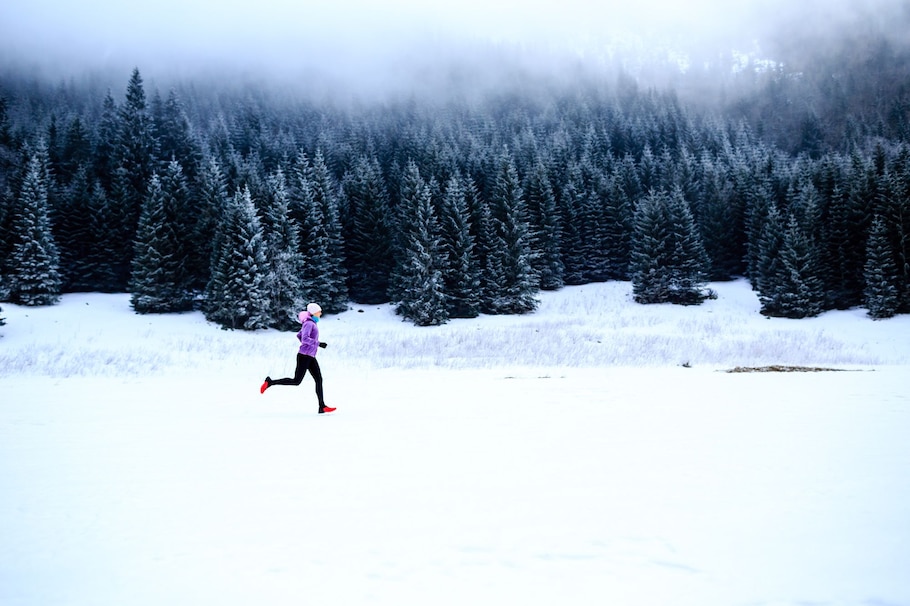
(668, 261)
(422, 298)
(76, 237)
(615, 232)
(573, 253)
(173, 135)
(518, 288)
(367, 232)
(76, 150)
(332, 291)
(6, 240)
(461, 275)
(285, 263)
(881, 295)
(893, 206)
(135, 159)
(105, 152)
(410, 194)
(158, 283)
(34, 265)
(789, 285)
(545, 229)
(211, 203)
(237, 294)
(720, 223)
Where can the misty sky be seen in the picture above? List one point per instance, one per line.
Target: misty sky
(361, 35)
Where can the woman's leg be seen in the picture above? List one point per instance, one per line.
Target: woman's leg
(317, 376)
(299, 372)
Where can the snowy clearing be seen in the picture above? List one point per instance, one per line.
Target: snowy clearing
(562, 457)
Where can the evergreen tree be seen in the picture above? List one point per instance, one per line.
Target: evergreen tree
(545, 229)
(881, 295)
(462, 271)
(668, 261)
(768, 265)
(74, 232)
(34, 265)
(135, 160)
(76, 151)
(282, 238)
(105, 153)
(173, 135)
(893, 207)
(573, 253)
(332, 291)
(211, 203)
(615, 232)
(237, 294)
(158, 282)
(6, 241)
(422, 297)
(720, 223)
(367, 232)
(518, 288)
(790, 285)
(406, 223)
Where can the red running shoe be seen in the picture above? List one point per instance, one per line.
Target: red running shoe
(327, 409)
(265, 385)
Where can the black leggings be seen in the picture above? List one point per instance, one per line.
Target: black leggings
(305, 363)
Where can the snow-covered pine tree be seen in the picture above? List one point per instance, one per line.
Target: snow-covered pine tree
(616, 226)
(755, 190)
(720, 221)
(212, 199)
(410, 191)
(237, 293)
(367, 232)
(6, 237)
(789, 283)
(572, 243)
(158, 283)
(73, 231)
(333, 290)
(893, 206)
(134, 162)
(881, 295)
(422, 296)
(517, 292)
(34, 264)
(803, 290)
(104, 162)
(668, 261)
(545, 228)
(462, 272)
(313, 242)
(481, 228)
(767, 266)
(174, 135)
(285, 262)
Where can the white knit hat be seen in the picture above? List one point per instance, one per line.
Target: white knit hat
(313, 309)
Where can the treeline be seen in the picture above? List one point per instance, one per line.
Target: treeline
(249, 205)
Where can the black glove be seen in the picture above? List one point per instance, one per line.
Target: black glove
(323, 345)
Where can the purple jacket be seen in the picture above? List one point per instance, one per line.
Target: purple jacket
(308, 335)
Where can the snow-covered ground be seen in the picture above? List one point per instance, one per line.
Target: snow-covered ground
(594, 452)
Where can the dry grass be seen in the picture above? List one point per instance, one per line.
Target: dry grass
(784, 368)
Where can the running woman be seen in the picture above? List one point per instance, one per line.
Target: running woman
(306, 355)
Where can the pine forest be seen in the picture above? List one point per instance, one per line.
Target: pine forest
(248, 204)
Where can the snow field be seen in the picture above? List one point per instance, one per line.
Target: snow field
(140, 465)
